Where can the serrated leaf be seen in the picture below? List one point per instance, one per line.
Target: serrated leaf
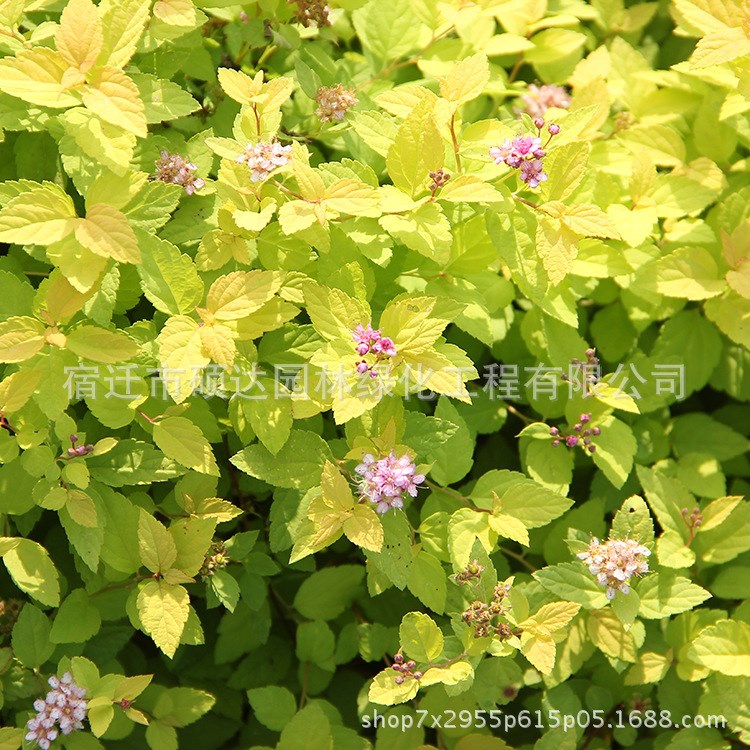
(420, 637)
(182, 440)
(156, 546)
(163, 610)
(106, 232)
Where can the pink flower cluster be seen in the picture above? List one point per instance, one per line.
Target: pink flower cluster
(385, 481)
(538, 99)
(263, 157)
(615, 562)
(172, 168)
(371, 341)
(334, 102)
(525, 152)
(63, 707)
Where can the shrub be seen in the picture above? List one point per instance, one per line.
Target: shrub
(374, 375)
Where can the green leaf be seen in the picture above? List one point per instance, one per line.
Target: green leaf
(224, 585)
(20, 339)
(274, 706)
(163, 100)
(39, 216)
(420, 637)
(192, 538)
(427, 581)
(309, 728)
(615, 450)
(31, 637)
(633, 521)
(170, 279)
(521, 498)
(724, 647)
(271, 418)
(32, 571)
(183, 441)
(426, 230)
(666, 593)
(160, 736)
(327, 593)
(573, 582)
(77, 620)
(416, 151)
(182, 706)
(100, 345)
(298, 464)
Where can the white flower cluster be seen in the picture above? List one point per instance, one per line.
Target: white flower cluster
(263, 157)
(64, 707)
(615, 562)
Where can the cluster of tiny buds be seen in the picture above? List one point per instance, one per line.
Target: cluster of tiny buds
(472, 572)
(405, 669)
(623, 121)
(481, 614)
(538, 99)
(78, 450)
(590, 369)
(334, 102)
(692, 518)
(311, 12)
(526, 153)
(580, 435)
(439, 179)
(215, 559)
(369, 340)
(173, 169)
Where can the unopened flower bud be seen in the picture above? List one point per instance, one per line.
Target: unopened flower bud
(539, 123)
(553, 129)
(399, 680)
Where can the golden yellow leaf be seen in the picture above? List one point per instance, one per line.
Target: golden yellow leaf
(123, 22)
(115, 98)
(106, 232)
(36, 76)
(79, 37)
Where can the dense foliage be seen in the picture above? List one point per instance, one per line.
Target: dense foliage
(388, 359)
